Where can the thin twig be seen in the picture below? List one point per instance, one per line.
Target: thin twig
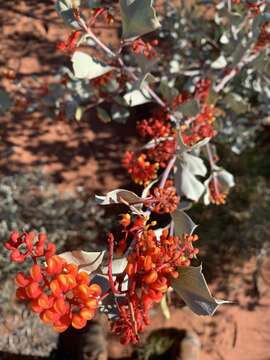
(167, 172)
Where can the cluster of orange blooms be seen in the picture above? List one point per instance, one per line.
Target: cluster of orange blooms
(141, 170)
(217, 195)
(56, 290)
(165, 199)
(152, 265)
(145, 48)
(143, 166)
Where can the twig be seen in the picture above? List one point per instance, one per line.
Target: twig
(109, 52)
(110, 272)
(167, 172)
(246, 59)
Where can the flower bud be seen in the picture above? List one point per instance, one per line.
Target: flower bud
(60, 306)
(87, 313)
(151, 277)
(82, 278)
(44, 301)
(78, 322)
(35, 273)
(33, 290)
(82, 291)
(95, 290)
(54, 265)
(21, 280)
(55, 288)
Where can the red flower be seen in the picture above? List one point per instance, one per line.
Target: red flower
(166, 199)
(70, 43)
(141, 170)
(154, 128)
(146, 49)
(57, 291)
(27, 245)
(152, 264)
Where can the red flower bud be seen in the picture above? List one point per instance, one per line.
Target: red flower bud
(22, 280)
(83, 278)
(87, 313)
(33, 290)
(78, 322)
(35, 273)
(151, 277)
(55, 288)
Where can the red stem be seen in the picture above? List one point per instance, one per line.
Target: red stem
(110, 272)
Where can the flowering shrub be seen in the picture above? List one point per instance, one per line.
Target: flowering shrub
(144, 259)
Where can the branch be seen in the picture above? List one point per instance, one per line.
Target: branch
(110, 53)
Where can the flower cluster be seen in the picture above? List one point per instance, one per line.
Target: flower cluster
(56, 290)
(255, 6)
(147, 49)
(152, 265)
(165, 199)
(22, 246)
(216, 193)
(201, 126)
(140, 169)
(162, 135)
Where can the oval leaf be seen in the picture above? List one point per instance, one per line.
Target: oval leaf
(194, 164)
(183, 224)
(86, 67)
(137, 97)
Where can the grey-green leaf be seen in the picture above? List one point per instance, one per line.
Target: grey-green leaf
(138, 18)
(191, 286)
(183, 224)
(86, 67)
(65, 10)
(194, 164)
(119, 196)
(190, 108)
(103, 115)
(187, 184)
(137, 97)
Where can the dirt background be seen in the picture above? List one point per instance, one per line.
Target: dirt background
(88, 154)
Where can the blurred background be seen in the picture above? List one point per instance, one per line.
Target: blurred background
(52, 165)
